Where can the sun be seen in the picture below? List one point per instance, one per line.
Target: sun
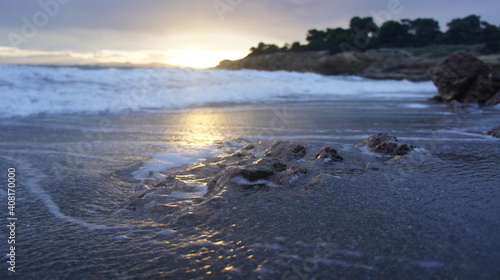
(200, 58)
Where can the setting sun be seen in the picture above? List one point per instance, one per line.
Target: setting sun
(200, 58)
(176, 57)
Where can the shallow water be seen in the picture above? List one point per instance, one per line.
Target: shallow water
(438, 217)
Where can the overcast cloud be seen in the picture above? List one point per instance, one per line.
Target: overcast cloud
(235, 25)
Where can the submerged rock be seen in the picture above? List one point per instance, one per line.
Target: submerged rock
(376, 139)
(275, 164)
(254, 168)
(386, 144)
(286, 150)
(495, 132)
(329, 154)
(393, 148)
(464, 78)
(216, 185)
(221, 185)
(256, 173)
(436, 99)
(279, 165)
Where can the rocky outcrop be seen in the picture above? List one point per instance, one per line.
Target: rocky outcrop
(464, 78)
(265, 167)
(386, 144)
(254, 168)
(375, 64)
(281, 163)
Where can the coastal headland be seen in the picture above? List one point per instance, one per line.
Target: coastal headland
(396, 64)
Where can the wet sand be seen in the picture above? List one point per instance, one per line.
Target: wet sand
(367, 217)
(433, 216)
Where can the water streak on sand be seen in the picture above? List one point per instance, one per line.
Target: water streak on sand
(33, 179)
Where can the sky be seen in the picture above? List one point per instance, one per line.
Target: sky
(190, 33)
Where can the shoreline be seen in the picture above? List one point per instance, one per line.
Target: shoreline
(378, 64)
(355, 226)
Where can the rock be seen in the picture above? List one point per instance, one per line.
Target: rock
(249, 147)
(457, 105)
(256, 173)
(278, 166)
(495, 99)
(373, 141)
(274, 163)
(220, 180)
(495, 132)
(436, 99)
(329, 154)
(297, 170)
(393, 148)
(386, 144)
(252, 167)
(286, 150)
(286, 177)
(464, 78)
(254, 170)
(298, 151)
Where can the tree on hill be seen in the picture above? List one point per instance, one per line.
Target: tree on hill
(424, 31)
(263, 48)
(296, 47)
(464, 30)
(491, 37)
(361, 35)
(394, 34)
(365, 25)
(335, 37)
(316, 39)
(364, 34)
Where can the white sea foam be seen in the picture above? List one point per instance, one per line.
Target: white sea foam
(416, 106)
(27, 90)
(173, 157)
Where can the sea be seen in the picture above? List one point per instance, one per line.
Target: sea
(81, 140)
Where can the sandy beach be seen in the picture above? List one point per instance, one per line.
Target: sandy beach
(231, 139)
(431, 214)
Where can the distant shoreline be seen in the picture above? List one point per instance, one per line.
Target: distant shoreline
(98, 65)
(395, 64)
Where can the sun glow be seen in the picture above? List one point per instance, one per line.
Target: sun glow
(200, 58)
(194, 58)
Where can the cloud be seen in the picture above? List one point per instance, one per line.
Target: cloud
(168, 16)
(160, 25)
(176, 57)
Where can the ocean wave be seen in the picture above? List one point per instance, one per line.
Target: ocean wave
(28, 90)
